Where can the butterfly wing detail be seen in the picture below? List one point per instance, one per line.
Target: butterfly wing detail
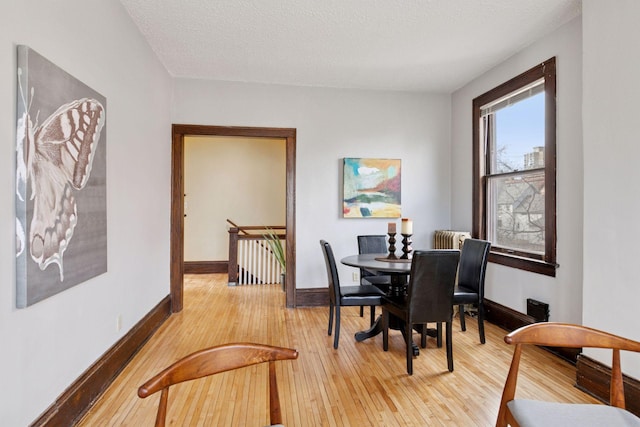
(60, 157)
(69, 136)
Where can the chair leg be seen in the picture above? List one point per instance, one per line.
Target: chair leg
(423, 336)
(330, 328)
(385, 330)
(337, 335)
(449, 347)
(481, 322)
(362, 311)
(409, 345)
(463, 325)
(373, 315)
(439, 334)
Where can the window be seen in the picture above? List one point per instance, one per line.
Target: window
(514, 170)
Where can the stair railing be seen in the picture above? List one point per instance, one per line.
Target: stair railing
(251, 260)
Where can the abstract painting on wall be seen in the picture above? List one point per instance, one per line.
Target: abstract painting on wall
(371, 188)
(61, 180)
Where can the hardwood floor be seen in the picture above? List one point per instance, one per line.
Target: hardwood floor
(356, 385)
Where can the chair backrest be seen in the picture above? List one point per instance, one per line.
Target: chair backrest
(372, 244)
(431, 285)
(473, 265)
(553, 334)
(215, 360)
(332, 272)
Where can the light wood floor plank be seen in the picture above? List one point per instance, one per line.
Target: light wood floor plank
(357, 385)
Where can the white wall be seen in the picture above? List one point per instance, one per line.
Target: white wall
(332, 124)
(47, 346)
(508, 286)
(611, 153)
(255, 166)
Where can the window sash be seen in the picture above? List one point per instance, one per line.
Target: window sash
(516, 212)
(540, 77)
(513, 97)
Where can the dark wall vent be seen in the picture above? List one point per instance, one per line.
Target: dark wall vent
(538, 310)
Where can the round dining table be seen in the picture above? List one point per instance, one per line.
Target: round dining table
(398, 269)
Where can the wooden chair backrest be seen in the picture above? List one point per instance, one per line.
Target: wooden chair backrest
(554, 334)
(212, 361)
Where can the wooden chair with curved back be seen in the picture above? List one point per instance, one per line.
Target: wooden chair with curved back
(212, 361)
(523, 412)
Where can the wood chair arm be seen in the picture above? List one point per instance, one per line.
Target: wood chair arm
(214, 360)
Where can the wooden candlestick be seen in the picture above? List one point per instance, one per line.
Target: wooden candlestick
(392, 246)
(406, 246)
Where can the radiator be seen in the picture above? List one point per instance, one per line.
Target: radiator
(448, 239)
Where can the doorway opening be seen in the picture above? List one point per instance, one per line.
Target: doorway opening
(179, 132)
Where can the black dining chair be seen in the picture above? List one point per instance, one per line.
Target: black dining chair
(429, 299)
(470, 287)
(345, 295)
(373, 244)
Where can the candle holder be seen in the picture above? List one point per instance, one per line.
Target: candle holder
(406, 246)
(392, 246)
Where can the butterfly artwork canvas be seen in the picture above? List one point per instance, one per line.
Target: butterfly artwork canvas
(61, 180)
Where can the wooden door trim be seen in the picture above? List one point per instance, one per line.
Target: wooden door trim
(179, 131)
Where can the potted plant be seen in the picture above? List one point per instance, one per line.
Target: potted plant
(278, 251)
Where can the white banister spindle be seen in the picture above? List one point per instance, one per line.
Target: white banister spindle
(257, 263)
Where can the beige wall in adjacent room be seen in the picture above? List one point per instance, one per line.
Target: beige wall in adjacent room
(242, 179)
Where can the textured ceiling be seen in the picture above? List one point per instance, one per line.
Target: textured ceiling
(413, 45)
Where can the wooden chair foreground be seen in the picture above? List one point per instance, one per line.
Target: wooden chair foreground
(212, 361)
(523, 412)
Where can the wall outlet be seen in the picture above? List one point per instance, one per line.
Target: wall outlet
(354, 276)
(118, 322)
